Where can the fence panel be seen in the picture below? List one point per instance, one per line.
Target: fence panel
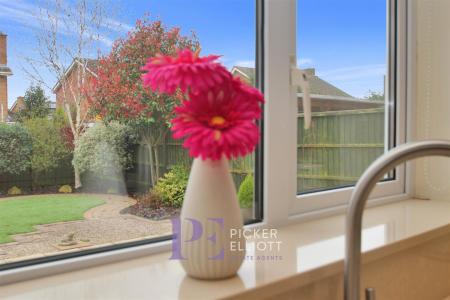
(170, 154)
(338, 147)
(334, 152)
(32, 182)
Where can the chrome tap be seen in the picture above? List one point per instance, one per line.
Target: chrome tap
(358, 201)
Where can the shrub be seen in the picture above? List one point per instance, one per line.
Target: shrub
(65, 189)
(172, 186)
(15, 149)
(49, 148)
(149, 200)
(14, 191)
(245, 193)
(104, 149)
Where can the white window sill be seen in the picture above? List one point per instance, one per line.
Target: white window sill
(311, 250)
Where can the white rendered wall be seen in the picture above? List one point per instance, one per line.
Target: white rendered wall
(433, 94)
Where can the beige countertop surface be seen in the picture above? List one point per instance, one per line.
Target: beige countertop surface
(308, 251)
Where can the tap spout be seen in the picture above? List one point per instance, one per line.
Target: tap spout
(361, 193)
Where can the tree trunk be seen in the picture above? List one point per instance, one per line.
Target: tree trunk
(164, 155)
(152, 165)
(77, 177)
(156, 151)
(76, 136)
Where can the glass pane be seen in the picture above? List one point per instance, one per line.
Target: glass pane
(132, 173)
(342, 47)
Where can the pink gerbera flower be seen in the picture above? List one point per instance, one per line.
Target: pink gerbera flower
(218, 112)
(218, 123)
(246, 92)
(187, 71)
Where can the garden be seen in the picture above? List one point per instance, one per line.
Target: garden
(41, 211)
(115, 176)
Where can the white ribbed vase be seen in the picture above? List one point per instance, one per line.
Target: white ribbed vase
(211, 197)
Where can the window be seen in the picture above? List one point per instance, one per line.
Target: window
(349, 84)
(350, 61)
(354, 55)
(121, 159)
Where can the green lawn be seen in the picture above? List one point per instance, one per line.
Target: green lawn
(19, 215)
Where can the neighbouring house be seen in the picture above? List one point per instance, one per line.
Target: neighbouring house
(324, 95)
(5, 71)
(19, 104)
(71, 77)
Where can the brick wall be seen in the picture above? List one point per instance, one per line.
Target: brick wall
(3, 98)
(71, 84)
(3, 80)
(3, 56)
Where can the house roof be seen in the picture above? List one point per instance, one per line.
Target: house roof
(91, 66)
(247, 72)
(19, 99)
(317, 85)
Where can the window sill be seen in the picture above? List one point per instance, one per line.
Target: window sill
(305, 252)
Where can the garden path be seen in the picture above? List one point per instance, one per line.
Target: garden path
(112, 207)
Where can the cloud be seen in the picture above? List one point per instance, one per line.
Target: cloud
(106, 40)
(118, 26)
(356, 80)
(354, 72)
(17, 12)
(303, 62)
(245, 63)
(24, 14)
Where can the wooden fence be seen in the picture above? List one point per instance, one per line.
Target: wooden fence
(172, 153)
(338, 147)
(333, 152)
(29, 181)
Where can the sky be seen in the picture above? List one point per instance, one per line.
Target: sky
(343, 40)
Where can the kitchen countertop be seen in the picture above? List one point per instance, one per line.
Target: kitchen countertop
(309, 251)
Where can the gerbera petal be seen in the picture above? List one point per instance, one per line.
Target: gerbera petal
(187, 70)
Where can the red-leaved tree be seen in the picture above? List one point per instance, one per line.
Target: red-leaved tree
(116, 94)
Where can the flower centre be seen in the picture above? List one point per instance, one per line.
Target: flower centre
(217, 121)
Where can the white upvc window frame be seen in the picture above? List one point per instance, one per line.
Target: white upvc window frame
(282, 205)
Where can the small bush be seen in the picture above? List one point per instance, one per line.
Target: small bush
(104, 149)
(65, 189)
(245, 194)
(15, 149)
(172, 186)
(149, 200)
(49, 147)
(14, 191)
